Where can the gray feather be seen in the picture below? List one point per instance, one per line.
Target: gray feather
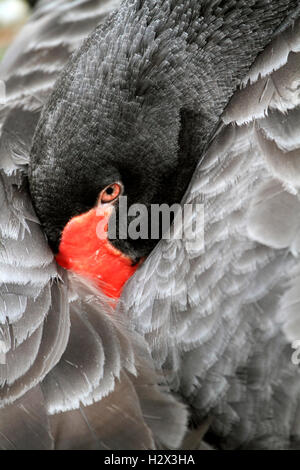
(215, 319)
(25, 424)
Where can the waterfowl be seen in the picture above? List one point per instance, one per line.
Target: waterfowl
(164, 102)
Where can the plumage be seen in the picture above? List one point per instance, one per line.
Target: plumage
(250, 254)
(25, 425)
(199, 331)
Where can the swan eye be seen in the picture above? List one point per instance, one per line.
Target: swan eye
(110, 193)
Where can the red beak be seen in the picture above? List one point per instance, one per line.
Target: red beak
(86, 250)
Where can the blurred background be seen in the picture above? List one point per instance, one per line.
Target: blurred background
(13, 13)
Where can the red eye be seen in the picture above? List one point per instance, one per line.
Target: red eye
(110, 193)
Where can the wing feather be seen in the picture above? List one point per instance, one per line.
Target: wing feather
(25, 425)
(215, 317)
(93, 371)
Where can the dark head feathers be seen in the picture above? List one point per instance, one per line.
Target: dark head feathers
(138, 102)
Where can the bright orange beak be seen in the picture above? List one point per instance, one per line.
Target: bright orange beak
(83, 251)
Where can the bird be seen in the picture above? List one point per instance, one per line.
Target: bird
(113, 343)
